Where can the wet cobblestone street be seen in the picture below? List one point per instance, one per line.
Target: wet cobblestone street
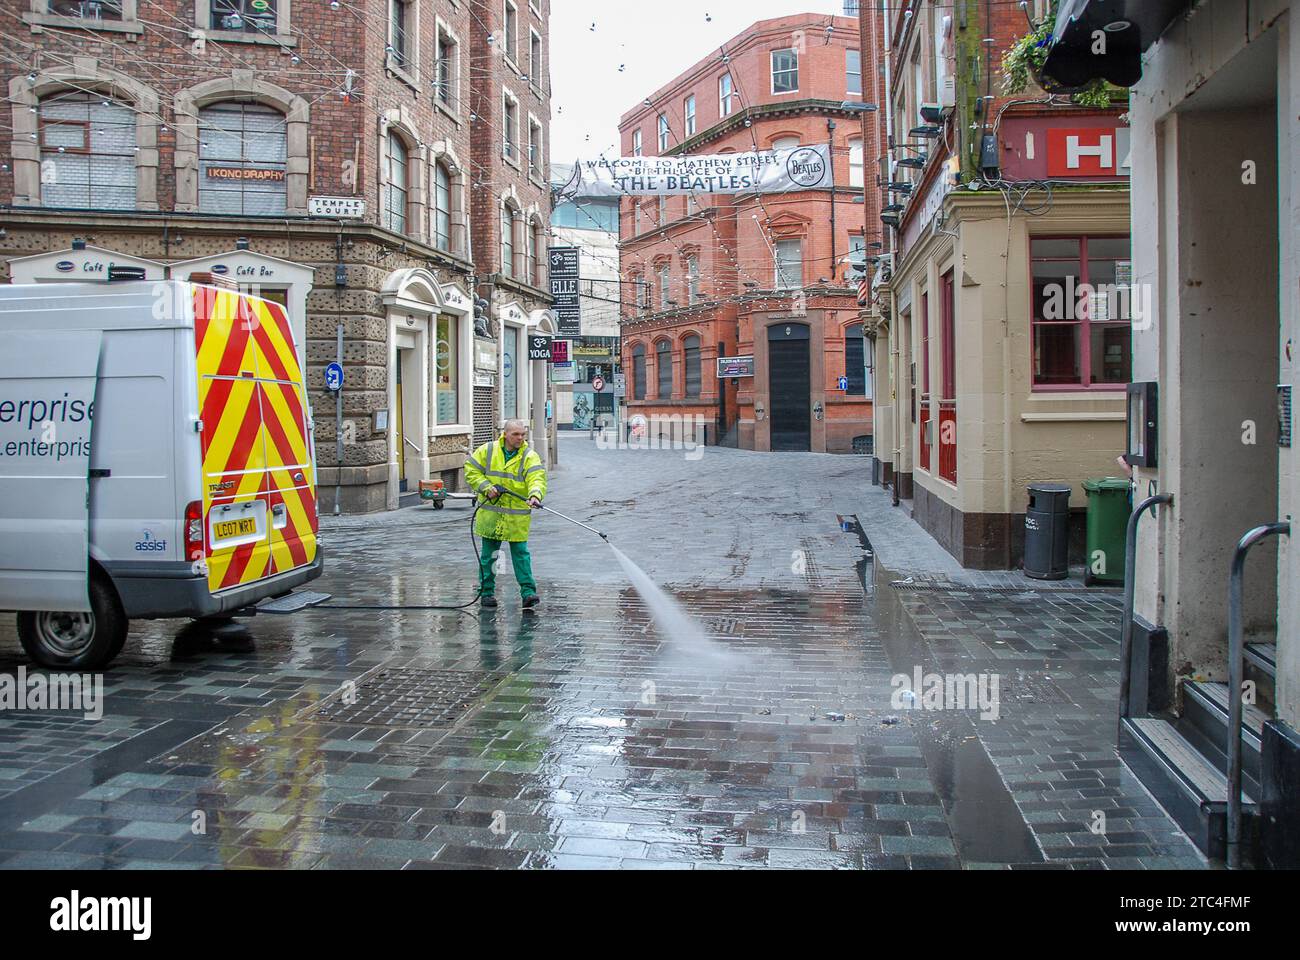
(576, 736)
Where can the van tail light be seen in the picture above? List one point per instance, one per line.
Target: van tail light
(194, 530)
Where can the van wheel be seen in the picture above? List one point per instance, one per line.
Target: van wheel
(76, 639)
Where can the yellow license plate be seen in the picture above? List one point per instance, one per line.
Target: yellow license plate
(234, 528)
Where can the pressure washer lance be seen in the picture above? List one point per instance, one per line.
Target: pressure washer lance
(472, 496)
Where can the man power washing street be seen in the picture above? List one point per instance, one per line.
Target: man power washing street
(510, 480)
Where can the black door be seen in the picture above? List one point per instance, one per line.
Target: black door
(789, 386)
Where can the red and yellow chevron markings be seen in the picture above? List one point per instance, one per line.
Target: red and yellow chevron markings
(255, 439)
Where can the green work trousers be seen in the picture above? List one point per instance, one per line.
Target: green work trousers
(519, 556)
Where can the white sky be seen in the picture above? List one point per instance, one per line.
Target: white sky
(654, 40)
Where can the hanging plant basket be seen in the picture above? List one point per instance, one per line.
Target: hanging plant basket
(1024, 60)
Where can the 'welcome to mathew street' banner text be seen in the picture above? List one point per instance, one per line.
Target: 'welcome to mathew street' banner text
(764, 171)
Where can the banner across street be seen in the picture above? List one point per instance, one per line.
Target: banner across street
(763, 171)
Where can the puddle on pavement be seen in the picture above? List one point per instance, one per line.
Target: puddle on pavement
(985, 822)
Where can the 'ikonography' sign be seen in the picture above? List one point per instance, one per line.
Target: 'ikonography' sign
(764, 171)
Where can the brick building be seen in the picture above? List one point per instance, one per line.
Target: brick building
(768, 276)
(356, 161)
(996, 370)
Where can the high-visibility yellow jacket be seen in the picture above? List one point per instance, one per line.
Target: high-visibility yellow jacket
(505, 518)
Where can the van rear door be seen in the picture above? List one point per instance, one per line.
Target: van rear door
(235, 505)
(47, 394)
(259, 483)
(290, 462)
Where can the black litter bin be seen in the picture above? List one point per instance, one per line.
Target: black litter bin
(1047, 532)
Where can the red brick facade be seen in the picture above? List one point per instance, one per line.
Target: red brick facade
(352, 89)
(733, 238)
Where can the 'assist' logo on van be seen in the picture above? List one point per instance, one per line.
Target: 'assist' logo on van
(149, 543)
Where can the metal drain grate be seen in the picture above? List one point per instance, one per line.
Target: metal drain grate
(410, 698)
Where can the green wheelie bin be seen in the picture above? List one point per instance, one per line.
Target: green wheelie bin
(1108, 511)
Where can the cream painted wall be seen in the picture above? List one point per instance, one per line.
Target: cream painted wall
(1008, 435)
(1176, 563)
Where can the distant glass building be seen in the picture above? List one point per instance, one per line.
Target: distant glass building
(591, 225)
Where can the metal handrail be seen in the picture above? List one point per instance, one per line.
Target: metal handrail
(410, 443)
(1236, 667)
(1130, 575)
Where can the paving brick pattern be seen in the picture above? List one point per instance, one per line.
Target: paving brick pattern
(1056, 656)
(773, 743)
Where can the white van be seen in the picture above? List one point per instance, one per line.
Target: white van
(156, 460)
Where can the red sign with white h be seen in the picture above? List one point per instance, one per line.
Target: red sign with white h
(1083, 152)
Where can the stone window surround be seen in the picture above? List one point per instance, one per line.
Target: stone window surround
(661, 263)
(535, 171)
(281, 38)
(534, 224)
(240, 85)
(37, 17)
(399, 122)
(84, 74)
(536, 82)
(443, 28)
(508, 95)
(511, 55)
(694, 279)
(410, 73)
(509, 201)
(442, 151)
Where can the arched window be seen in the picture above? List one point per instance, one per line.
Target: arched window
(509, 220)
(691, 356)
(534, 245)
(664, 369)
(396, 187)
(441, 206)
(87, 152)
(242, 159)
(855, 369)
(638, 372)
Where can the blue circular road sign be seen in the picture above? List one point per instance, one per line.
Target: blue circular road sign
(334, 377)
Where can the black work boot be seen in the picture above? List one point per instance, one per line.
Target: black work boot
(531, 601)
(487, 600)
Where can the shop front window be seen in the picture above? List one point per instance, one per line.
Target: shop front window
(510, 373)
(1082, 291)
(447, 369)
